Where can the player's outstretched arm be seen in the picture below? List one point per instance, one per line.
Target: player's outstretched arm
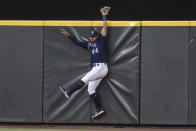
(104, 12)
(104, 29)
(73, 39)
(64, 32)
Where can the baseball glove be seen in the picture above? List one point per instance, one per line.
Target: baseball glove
(105, 9)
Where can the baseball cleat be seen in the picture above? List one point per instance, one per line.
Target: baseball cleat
(98, 113)
(64, 92)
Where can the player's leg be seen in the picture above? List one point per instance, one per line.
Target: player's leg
(84, 81)
(67, 92)
(97, 72)
(92, 85)
(95, 97)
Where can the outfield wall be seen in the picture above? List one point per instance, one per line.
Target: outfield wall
(151, 73)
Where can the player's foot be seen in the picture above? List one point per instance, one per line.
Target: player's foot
(98, 113)
(65, 92)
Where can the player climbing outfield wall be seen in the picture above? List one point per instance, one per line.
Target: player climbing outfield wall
(66, 63)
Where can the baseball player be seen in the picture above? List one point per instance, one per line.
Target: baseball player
(98, 54)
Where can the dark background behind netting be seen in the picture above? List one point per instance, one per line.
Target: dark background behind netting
(89, 9)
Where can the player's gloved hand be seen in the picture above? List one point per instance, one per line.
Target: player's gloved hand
(64, 32)
(105, 10)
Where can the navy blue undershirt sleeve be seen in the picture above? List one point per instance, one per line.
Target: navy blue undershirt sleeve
(77, 42)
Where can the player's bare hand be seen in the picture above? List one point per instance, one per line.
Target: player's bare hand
(104, 13)
(64, 32)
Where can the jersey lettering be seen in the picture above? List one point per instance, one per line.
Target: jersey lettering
(95, 50)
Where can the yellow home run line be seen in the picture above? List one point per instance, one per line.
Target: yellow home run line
(67, 23)
(117, 23)
(20, 23)
(165, 23)
(95, 23)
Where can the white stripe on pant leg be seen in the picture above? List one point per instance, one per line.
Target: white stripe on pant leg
(95, 73)
(93, 85)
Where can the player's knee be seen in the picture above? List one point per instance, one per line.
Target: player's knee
(84, 80)
(105, 71)
(91, 91)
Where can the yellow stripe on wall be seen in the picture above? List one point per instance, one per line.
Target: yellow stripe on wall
(192, 23)
(67, 23)
(20, 23)
(165, 23)
(117, 23)
(95, 23)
